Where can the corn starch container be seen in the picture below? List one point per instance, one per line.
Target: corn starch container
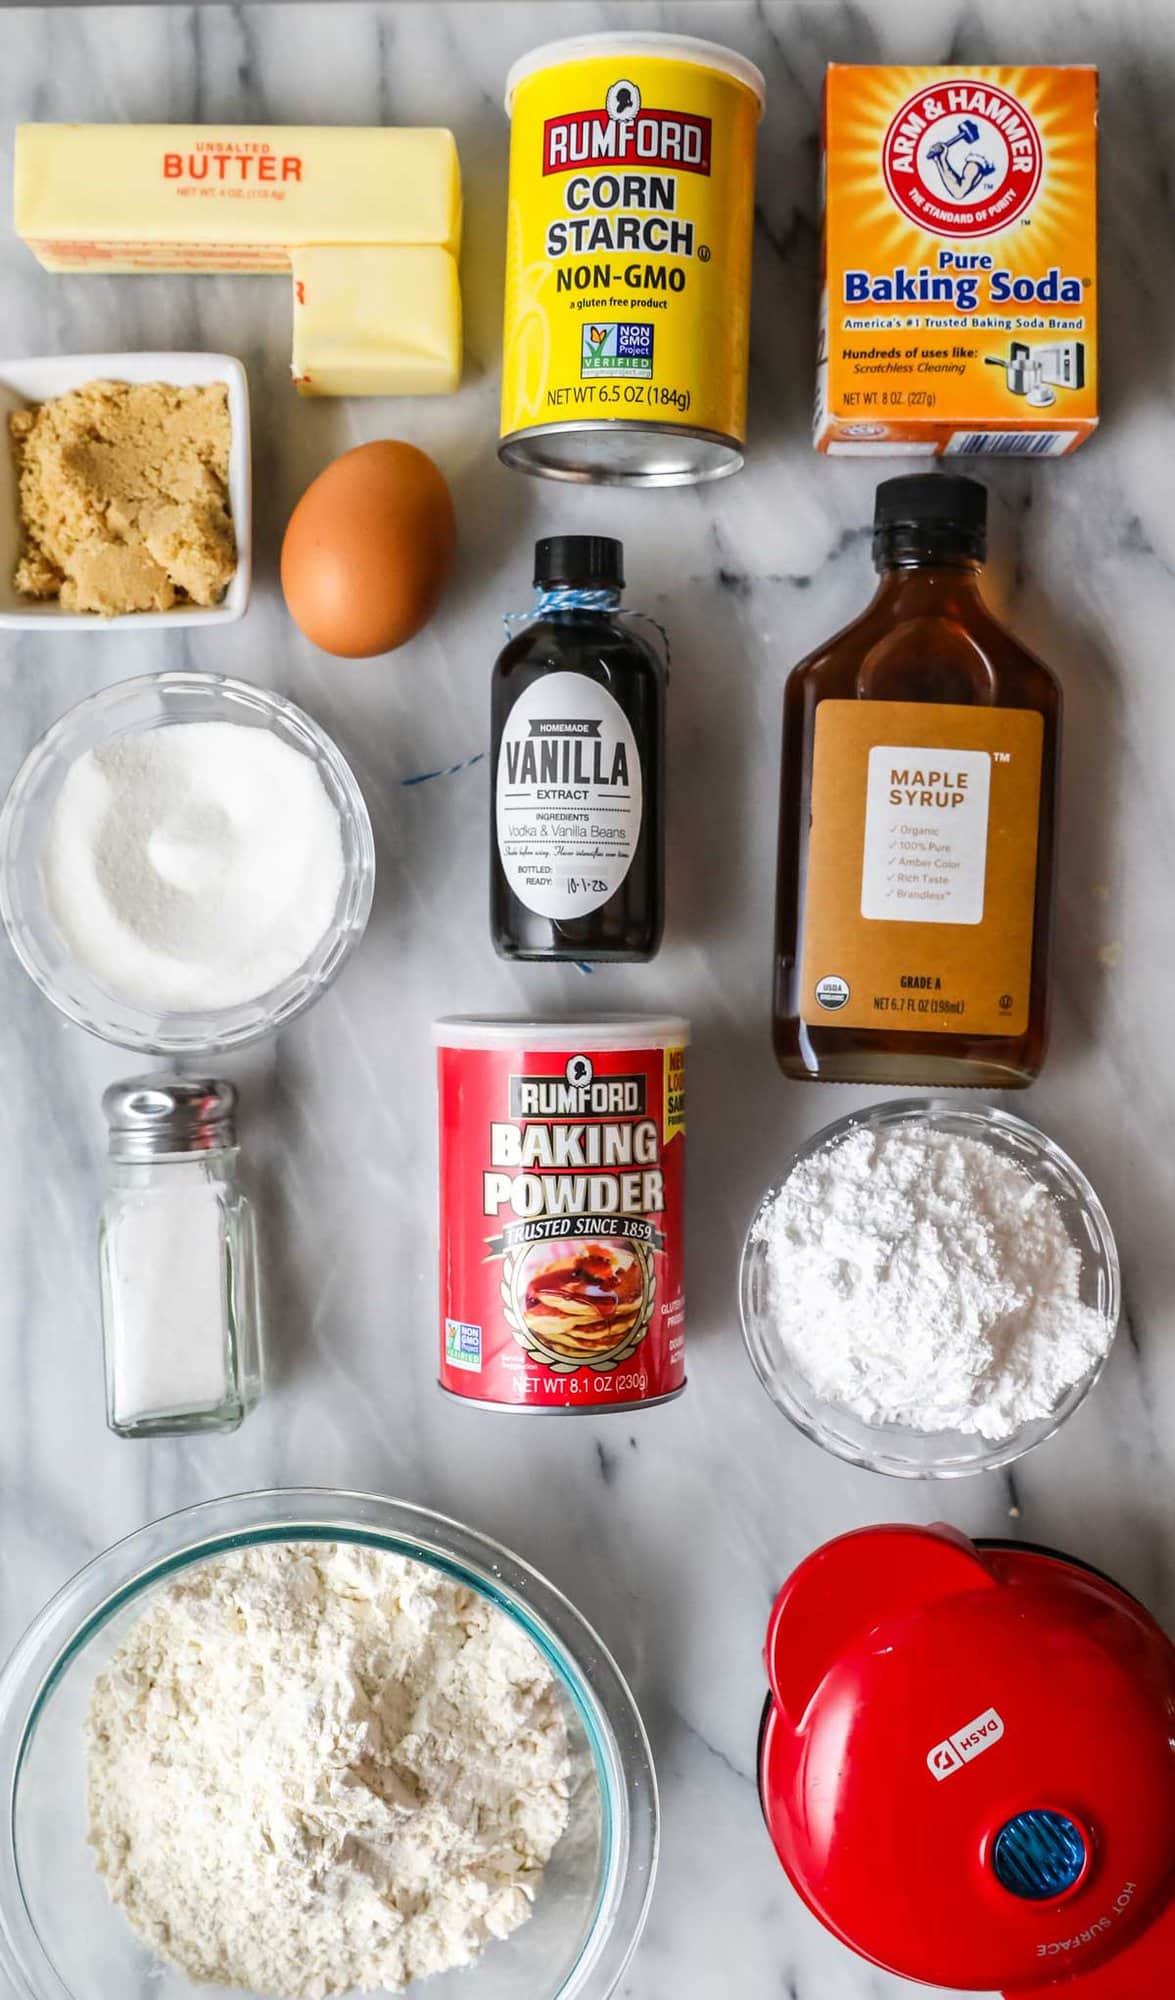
(628, 259)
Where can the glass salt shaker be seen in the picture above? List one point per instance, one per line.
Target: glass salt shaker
(177, 1259)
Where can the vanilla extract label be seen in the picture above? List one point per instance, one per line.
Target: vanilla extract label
(569, 796)
(566, 751)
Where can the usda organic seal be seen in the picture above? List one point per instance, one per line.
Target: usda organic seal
(832, 993)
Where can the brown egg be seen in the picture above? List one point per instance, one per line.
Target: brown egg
(368, 550)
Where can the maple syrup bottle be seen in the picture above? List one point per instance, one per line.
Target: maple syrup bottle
(920, 752)
(577, 758)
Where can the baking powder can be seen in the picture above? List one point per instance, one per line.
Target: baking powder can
(562, 1166)
(628, 259)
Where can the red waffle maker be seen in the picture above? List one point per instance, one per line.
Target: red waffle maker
(967, 1765)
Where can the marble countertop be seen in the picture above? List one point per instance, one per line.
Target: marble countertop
(671, 1529)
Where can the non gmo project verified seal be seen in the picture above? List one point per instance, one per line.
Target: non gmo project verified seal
(617, 347)
(463, 1345)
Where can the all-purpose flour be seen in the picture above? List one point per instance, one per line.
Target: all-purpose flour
(315, 1767)
(922, 1278)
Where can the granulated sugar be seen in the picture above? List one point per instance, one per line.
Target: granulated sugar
(193, 866)
(922, 1278)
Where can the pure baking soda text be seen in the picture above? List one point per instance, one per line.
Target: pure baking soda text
(959, 311)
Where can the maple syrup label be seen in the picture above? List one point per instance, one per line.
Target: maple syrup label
(562, 1182)
(920, 886)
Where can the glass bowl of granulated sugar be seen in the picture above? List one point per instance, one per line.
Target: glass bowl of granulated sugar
(930, 1290)
(186, 863)
(307, 1742)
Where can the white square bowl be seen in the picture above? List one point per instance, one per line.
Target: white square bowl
(35, 381)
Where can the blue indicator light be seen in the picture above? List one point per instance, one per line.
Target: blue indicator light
(1039, 1855)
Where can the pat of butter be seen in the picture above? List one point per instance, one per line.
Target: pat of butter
(382, 320)
(228, 198)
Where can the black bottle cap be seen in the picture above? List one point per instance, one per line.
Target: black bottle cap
(946, 510)
(582, 562)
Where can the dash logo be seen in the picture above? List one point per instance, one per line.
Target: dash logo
(950, 1755)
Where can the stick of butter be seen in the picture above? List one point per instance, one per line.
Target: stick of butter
(378, 320)
(228, 198)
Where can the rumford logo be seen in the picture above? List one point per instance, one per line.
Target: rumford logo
(577, 1093)
(621, 131)
(576, 1144)
(962, 158)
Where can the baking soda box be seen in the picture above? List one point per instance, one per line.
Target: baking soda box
(959, 306)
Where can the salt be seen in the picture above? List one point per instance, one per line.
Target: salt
(177, 1260)
(169, 1319)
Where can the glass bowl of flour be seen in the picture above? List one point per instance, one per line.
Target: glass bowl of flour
(307, 1739)
(931, 1289)
(186, 863)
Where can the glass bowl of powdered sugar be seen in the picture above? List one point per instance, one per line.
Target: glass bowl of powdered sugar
(308, 1742)
(930, 1290)
(186, 863)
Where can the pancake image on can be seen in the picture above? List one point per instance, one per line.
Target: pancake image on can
(589, 1304)
(628, 259)
(562, 1181)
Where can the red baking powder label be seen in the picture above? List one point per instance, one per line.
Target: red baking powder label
(562, 1183)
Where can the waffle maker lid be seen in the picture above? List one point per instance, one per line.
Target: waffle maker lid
(968, 1764)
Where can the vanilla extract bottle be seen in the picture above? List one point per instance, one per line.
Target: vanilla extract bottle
(577, 760)
(918, 802)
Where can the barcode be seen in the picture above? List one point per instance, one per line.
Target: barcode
(1011, 444)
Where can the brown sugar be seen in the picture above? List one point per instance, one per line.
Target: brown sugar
(124, 497)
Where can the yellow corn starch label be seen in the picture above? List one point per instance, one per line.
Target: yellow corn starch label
(959, 310)
(628, 263)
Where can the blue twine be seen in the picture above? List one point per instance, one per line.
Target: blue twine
(449, 771)
(565, 598)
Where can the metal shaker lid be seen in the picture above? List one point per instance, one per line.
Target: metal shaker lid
(152, 1115)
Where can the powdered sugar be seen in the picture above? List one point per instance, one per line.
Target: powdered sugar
(316, 1767)
(919, 1277)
